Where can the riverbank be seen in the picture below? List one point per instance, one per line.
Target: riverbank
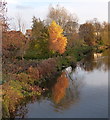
(86, 96)
(23, 79)
(27, 78)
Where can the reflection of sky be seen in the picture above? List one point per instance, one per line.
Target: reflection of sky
(93, 101)
(85, 10)
(93, 95)
(97, 78)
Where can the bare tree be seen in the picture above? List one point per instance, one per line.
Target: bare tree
(21, 24)
(62, 17)
(98, 28)
(3, 17)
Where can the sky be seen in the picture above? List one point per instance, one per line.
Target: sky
(84, 9)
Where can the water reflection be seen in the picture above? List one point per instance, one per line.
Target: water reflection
(59, 89)
(22, 111)
(65, 92)
(74, 91)
(100, 61)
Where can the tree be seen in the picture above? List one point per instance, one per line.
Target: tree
(86, 32)
(40, 37)
(71, 27)
(19, 23)
(14, 44)
(97, 30)
(63, 18)
(57, 42)
(3, 17)
(74, 40)
(105, 33)
(68, 21)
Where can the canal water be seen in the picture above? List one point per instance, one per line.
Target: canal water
(79, 93)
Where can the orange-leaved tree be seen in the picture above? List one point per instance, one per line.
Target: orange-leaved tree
(59, 89)
(57, 41)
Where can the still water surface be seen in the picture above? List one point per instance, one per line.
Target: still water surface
(79, 93)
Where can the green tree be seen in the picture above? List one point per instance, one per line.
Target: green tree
(40, 37)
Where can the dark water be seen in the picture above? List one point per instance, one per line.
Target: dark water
(81, 93)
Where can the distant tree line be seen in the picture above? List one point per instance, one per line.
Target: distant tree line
(58, 33)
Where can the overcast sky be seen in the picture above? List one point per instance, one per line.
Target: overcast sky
(84, 9)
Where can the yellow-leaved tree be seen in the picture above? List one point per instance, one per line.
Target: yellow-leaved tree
(57, 41)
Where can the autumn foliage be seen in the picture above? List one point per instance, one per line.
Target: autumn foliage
(57, 41)
(14, 43)
(59, 90)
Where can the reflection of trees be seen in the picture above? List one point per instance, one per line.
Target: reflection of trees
(107, 60)
(87, 64)
(58, 91)
(64, 93)
(22, 111)
(92, 62)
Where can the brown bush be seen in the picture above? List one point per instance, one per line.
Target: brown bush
(33, 72)
(47, 67)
